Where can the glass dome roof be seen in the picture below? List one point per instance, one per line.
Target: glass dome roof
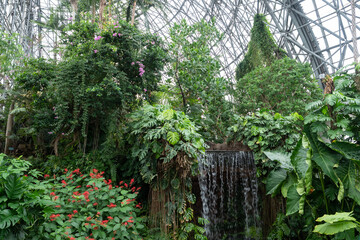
(316, 31)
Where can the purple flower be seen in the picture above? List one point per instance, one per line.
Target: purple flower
(95, 51)
(145, 90)
(71, 43)
(152, 42)
(97, 38)
(62, 133)
(132, 64)
(56, 117)
(50, 132)
(115, 34)
(120, 34)
(70, 18)
(141, 71)
(116, 26)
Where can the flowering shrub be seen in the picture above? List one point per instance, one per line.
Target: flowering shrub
(81, 206)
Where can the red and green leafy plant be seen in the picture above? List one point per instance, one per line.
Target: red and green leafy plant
(81, 206)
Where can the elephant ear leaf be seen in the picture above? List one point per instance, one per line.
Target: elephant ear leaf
(293, 201)
(275, 180)
(335, 223)
(349, 150)
(173, 137)
(14, 188)
(323, 156)
(282, 158)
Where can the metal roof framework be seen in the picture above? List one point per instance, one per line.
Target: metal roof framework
(315, 31)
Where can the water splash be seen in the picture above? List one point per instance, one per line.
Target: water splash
(228, 187)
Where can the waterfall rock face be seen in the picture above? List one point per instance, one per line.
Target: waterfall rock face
(228, 188)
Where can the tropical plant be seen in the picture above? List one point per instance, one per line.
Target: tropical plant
(104, 73)
(286, 86)
(166, 145)
(81, 206)
(321, 175)
(337, 115)
(194, 85)
(19, 208)
(337, 223)
(266, 131)
(267, 79)
(262, 50)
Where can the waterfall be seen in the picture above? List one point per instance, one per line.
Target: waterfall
(228, 188)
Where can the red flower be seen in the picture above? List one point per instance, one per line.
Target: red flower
(72, 238)
(111, 205)
(70, 216)
(131, 181)
(98, 213)
(58, 206)
(56, 197)
(110, 218)
(46, 175)
(95, 170)
(88, 218)
(95, 204)
(75, 211)
(65, 170)
(104, 221)
(64, 183)
(126, 185)
(52, 194)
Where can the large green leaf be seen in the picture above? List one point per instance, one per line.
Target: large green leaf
(274, 180)
(292, 201)
(349, 150)
(8, 218)
(298, 159)
(337, 217)
(348, 174)
(14, 188)
(281, 157)
(173, 137)
(290, 180)
(334, 228)
(323, 156)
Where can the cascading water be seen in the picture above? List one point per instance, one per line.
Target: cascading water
(228, 187)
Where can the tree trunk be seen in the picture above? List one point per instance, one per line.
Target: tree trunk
(9, 125)
(133, 14)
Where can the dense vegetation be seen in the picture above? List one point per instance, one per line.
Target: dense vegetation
(121, 117)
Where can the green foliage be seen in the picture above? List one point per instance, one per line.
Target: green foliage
(321, 159)
(262, 49)
(19, 207)
(336, 223)
(103, 74)
(166, 145)
(285, 86)
(266, 131)
(78, 206)
(280, 229)
(194, 84)
(337, 116)
(161, 133)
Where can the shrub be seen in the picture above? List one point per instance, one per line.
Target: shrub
(19, 208)
(80, 206)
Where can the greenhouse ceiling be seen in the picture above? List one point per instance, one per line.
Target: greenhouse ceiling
(320, 32)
